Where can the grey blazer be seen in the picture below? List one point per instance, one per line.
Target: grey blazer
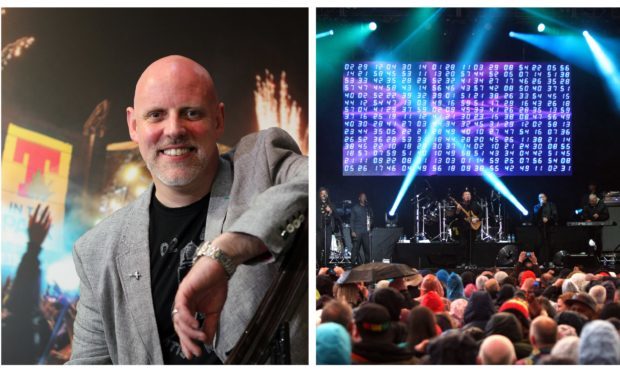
(260, 189)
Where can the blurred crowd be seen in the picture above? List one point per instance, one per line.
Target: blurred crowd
(517, 316)
(37, 327)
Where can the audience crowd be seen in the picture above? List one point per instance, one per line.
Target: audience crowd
(517, 316)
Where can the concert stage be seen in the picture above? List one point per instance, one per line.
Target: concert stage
(447, 255)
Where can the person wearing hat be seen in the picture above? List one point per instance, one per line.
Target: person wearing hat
(584, 304)
(373, 327)
(519, 308)
(599, 344)
(571, 318)
(333, 344)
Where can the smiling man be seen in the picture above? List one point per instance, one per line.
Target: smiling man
(176, 276)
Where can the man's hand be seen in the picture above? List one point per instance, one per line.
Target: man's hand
(595, 215)
(323, 271)
(39, 226)
(353, 234)
(533, 258)
(339, 271)
(522, 256)
(545, 220)
(204, 289)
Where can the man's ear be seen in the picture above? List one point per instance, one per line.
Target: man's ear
(131, 124)
(219, 120)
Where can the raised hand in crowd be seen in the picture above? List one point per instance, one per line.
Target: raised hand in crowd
(39, 226)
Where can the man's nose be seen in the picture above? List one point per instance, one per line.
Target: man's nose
(174, 125)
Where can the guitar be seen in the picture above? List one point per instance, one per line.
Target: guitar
(470, 216)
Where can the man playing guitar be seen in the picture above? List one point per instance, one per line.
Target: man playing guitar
(468, 216)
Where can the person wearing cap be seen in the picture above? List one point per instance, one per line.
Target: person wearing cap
(373, 326)
(496, 350)
(333, 344)
(584, 304)
(543, 335)
(571, 318)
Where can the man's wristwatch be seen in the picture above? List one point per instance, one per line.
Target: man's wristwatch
(209, 250)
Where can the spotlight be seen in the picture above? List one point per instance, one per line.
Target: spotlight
(586, 33)
(391, 220)
(372, 26)
(541, 27)
(324, 34)
(511, 34)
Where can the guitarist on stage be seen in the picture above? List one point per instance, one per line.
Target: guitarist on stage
(468, 214)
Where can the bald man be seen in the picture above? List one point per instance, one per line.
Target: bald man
(543, 336)
(176, 276)
(497, 349)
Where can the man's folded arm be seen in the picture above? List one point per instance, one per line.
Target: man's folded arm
(89, 344)
(275, 215)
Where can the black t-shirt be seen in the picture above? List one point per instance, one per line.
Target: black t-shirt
(174, 235)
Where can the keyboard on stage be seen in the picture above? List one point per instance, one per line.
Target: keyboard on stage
(591, 224)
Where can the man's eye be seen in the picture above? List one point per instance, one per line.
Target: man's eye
(193, 114)
(154, 115)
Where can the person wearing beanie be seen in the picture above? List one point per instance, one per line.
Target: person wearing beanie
(333, 344)
(433, 302)
(519, 308)
(599, 344)
(455, 287)
(507, 324)
(526, 275)
(568, 348)
(457, 311)
(479, 310)
(571, 318)
(373, 329)
(543, 335)
(496, 350)
(394, 302)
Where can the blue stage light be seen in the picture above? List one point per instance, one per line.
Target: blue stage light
(541, 27)
(321, 35)
(372, 26)
(429, 138)
(498, 185)
(511, 34)
(606, 66)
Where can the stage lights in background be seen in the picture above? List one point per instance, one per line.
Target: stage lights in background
(372, 26)
(420, 156)
(541, 27)
(321, 35)
(606, 67)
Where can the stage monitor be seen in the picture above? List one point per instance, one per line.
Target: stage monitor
(512, 118)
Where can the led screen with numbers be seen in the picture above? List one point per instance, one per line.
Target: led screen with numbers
(513, 118)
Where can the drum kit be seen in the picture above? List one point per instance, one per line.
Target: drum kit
(435, 219)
